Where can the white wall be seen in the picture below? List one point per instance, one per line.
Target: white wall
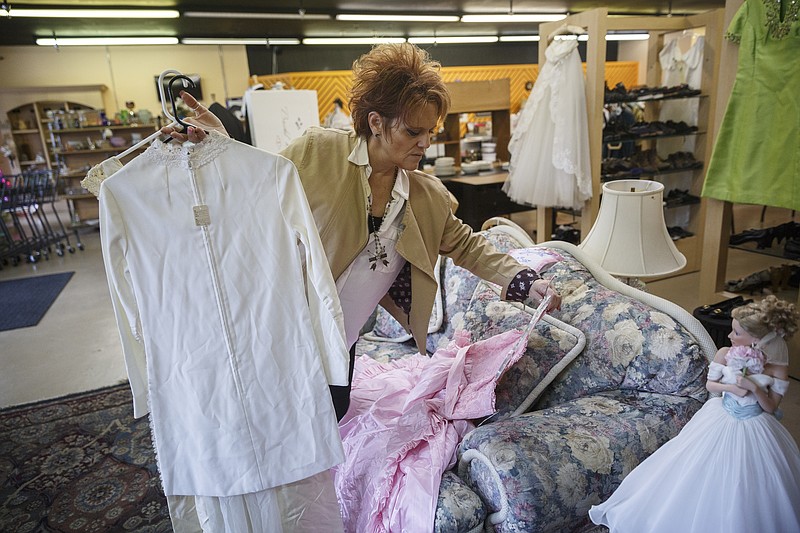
(127, 72)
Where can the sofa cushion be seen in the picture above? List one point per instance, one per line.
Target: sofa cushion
(552, 345)
(541, 471)
(629, 344)
(382, 351)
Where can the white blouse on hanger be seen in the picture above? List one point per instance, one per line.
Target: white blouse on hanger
(549, 147)
(228, 342)
(679, 68)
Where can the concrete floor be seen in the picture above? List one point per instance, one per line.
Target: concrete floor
(76, 346)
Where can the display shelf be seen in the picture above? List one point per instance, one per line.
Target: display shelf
(632, 137)
(492, 96)
(72, 164)
(115, 127)
(647, 173)
(103, 150)
(644, 100)
(597, 23)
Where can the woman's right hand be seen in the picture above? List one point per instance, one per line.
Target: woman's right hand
(202, 122)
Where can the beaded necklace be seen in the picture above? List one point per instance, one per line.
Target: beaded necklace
(374, 224)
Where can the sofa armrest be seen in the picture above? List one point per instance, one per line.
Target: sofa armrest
(542, 471)
(458, 509)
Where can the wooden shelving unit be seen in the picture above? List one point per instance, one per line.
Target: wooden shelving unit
(597, 23)
(45, 139)
(492, 96)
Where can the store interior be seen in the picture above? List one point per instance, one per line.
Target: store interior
(81, 104)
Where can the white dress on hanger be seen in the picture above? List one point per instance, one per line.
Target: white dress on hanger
(679, 68)
(229, 343)
(550, 145)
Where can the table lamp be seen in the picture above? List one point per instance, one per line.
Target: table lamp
(629, 238)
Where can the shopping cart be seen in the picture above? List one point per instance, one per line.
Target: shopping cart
(27, 230)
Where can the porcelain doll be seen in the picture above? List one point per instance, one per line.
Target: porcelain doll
(733, 468)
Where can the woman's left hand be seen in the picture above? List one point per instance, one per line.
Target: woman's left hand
(542, 288)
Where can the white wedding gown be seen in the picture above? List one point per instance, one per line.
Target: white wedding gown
(550, 144)
(720, 474)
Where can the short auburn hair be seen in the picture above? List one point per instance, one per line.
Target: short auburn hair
(393, 80)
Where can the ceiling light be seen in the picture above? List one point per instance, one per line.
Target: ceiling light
(92, 13)
(233, 15)
(104, 41)
(352, 40)
(518, 38)
(532, 17)
(627, 36)
(609, 37)
(397, 18)
(454, 40)
(245, 41)
(571, 37)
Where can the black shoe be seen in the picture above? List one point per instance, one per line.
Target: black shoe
(754, 282)
(748, 236)
(566, 233)
(792, 248)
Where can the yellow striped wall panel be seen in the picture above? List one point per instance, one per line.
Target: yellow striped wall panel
(336, 83)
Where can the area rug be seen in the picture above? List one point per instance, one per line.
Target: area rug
(26, 300)
(79, 463)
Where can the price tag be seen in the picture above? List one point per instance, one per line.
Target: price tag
(201, 216)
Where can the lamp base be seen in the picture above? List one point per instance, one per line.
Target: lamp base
(636, 283)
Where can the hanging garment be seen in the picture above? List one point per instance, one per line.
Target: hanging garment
(338, 119)
(405, 421)
(550, 146)
(305, 506)
(679, 68)
(228, 342)
(756, 158)
(727, 471)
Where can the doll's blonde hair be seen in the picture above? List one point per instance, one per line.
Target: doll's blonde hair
(770, 314)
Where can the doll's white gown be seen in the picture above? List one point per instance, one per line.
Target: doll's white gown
(720, 474)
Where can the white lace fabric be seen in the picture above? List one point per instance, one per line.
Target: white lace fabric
(99, 173)
(186, 155)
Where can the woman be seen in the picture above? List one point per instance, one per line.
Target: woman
(382, 222)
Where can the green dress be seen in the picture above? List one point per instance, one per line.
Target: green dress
(756, 159)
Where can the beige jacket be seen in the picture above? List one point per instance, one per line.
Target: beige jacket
(337, 192)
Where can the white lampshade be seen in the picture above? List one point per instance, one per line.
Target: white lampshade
(629, 237)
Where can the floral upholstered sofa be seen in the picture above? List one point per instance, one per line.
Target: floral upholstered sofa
(604, 382)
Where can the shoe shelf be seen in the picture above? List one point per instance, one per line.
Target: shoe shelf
(644, 93)
(644, 172)
(650, 131)
(644, 129)
(778, 241)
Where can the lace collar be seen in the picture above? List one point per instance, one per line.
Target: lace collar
(188, 155)
(777, 28)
